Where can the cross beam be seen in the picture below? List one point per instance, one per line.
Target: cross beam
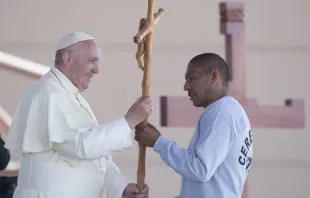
(178, 111)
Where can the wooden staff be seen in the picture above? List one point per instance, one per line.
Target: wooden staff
(144, 41)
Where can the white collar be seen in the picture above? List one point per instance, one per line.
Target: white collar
(66, 83)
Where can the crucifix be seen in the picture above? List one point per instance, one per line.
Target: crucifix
(144, 40)
(178, 111)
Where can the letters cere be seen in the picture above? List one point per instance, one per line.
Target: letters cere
(243, 158)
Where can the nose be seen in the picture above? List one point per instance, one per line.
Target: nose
(186, 86)
(96, 69)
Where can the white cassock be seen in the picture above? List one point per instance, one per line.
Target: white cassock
(65, 153)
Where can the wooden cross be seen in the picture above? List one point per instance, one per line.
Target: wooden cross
(178, 111)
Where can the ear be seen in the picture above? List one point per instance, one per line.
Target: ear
(215, 75)
(67, 58)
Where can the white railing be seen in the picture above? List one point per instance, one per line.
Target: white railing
(21, 65)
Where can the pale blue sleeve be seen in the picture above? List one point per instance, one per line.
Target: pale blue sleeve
(215, 139)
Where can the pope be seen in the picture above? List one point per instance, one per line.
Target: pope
(65, 152)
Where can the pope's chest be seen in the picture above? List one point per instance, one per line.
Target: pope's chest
(83, 107)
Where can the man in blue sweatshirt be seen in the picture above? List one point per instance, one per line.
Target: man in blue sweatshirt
(218, 158)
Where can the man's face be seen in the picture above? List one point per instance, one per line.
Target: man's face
(84, 63)
(198, 84)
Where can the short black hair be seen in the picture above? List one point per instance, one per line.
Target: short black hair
(212, 60)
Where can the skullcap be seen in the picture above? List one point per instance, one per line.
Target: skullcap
(73, 38)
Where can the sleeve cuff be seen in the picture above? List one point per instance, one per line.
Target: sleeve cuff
(125, 133)
(122, 119)
(161, 144)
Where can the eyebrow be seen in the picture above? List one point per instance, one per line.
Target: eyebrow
(189, 73)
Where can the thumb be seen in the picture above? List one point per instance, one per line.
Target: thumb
(149, 125)
(138, 100)
(140, 126)
(137, 191)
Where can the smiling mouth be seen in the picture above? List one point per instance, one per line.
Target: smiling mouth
(191, 95)
(89, 76)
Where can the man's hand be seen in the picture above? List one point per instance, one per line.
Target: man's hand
(139, 111)
(146, 135)
(132, 191)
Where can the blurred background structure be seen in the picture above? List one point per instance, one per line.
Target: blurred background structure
(277, 49)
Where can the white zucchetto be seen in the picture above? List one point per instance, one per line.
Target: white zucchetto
(73, 38)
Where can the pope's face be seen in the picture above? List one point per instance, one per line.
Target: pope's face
(84, 64)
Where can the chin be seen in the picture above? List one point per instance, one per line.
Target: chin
(196, 104)
(85, 86)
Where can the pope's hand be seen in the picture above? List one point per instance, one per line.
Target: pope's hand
(139, 111)
(132, 191)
